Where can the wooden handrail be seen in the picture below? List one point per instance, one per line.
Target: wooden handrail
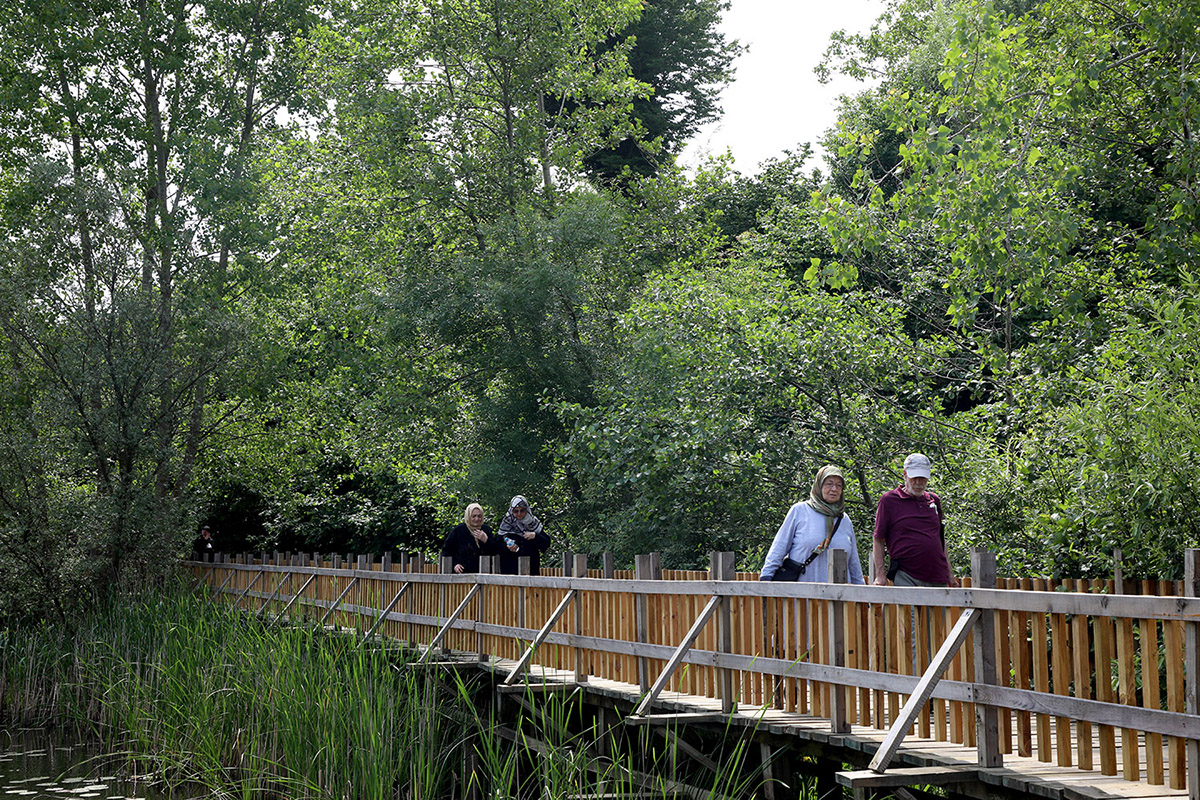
(1157, 607)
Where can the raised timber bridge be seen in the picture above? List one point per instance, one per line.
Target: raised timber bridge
(1066, 689)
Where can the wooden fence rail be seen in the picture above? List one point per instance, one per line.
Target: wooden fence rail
(1067, 671)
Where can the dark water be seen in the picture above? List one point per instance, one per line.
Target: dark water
(36, 765)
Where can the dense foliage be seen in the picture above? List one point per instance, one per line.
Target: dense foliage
(319, 274)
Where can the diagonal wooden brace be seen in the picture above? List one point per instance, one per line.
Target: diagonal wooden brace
(329, 611)
(516, 671)
(249, 586)
(450, 622)
(295, 597)
(677, 658)
(924, 689)
(282, 577)
(386, 611)
(225, 583)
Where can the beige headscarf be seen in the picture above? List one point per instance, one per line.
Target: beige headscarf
(467, 517)
(832, 511)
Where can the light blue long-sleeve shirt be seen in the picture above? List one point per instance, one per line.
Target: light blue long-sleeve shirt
(802, 531)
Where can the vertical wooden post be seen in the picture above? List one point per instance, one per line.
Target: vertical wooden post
(641, 572)
(447, 569)
(566, 564)
(385, 561)
(776, 771)
(524, 567)
(987, 718)
(402, 564)
(1118, 571)
(485, 568)
(609, 603)
(839, 561)
(1191, 650)
(720, 568)
(579, 571)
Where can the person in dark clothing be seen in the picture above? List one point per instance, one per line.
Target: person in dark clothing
(469, 540)
(522, 534)
(204, 544)
(910, 531)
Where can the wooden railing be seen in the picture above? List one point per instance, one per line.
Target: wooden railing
(1074, 674)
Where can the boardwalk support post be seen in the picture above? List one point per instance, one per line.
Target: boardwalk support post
(579, 571)
(721, 569)
(1191, 668)
(987, 718)
(641, 603)
(486, 564)
(838, 573)
(447, 567)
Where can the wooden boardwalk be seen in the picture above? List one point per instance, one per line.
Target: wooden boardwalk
(1064, 690)
(1019, 774)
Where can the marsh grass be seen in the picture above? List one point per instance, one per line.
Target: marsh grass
(198, 696)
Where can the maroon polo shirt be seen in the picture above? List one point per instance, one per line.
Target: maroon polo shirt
(911, 527)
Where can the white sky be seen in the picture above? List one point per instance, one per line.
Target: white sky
(775, 102)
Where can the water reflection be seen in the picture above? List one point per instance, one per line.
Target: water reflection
(36, 765)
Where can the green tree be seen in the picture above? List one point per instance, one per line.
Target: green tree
(451, 272)
(128, 136)
(728, 389)
(678, 51)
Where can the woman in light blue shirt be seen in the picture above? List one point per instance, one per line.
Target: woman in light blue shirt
(812, 528)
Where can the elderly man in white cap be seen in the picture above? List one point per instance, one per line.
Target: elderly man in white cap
(910, 528)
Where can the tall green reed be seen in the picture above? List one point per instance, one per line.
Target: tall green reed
(194, 693)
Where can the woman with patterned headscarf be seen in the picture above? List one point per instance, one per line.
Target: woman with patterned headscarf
(521, 534)
(811, 529)
(470, 539)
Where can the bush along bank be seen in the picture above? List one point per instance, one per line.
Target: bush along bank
(194, 695)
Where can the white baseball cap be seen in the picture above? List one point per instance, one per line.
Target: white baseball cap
(917, 466)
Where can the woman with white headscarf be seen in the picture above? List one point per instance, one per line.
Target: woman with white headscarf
(521, 534)
(812, 528)
(470, 539)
